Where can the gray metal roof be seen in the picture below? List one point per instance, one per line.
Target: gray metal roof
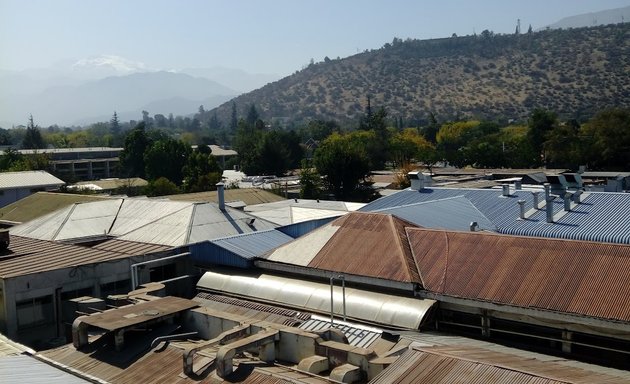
(164, 222)
(26, 369)
(68, 150)
(28, 179)
(357, 336)
(602, 216)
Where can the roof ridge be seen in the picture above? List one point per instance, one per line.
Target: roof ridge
(404, 246)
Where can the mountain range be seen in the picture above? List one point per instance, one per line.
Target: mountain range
(90, 90)
(573, 71)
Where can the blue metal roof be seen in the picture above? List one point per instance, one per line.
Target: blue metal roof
(601, 216)
(239, 250)
(254, 244)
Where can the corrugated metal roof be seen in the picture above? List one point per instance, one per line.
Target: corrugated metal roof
(602, 216)
(359, 243)
(450, 213)
(164, 365)
(252, 310)
(162, 222)
(358, 337)
(42, 203)
(254, 244)
(10, 348)
(130, 247)
(442, 365)
(389, 310)
(136, 314)
(28, 179)
(249, 196)
(69, 150)
(577, 277)
(26, 369)
(27, 256)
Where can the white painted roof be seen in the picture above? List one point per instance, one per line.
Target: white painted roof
(28, 179)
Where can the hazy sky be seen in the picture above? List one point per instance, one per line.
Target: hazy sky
(264, 36)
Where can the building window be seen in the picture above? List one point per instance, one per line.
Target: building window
(34, 312)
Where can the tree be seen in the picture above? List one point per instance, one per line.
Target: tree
(162, 187)
(233, 119)
(406, 145)
(310, 182)
(114, 125)
(540, 123)
(344, 164)
(33, 137)
(214, 124)
(202, 172)
(166, 158)
(431, 130)
(607, 139)
(132, 155)
(252, 115)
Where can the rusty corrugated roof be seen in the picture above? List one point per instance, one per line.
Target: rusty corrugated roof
(130, 247)
(131, 315)
(26, 256)
(369, 244)
(570, 276)
(459, 364)
(164, 365)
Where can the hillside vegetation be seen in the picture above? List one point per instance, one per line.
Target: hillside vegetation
(574, 72)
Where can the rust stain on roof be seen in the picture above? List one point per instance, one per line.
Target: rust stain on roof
(26, 256)
(369, 244)
(579, 277)
(441, 365)
(138, 313)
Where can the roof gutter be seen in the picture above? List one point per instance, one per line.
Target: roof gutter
(324, 274)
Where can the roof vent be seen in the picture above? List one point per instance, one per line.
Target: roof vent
(567, 201)
(417, 180)
(521, 206)
(473, 226)
(547, 187)
(535, 195)
(506, 190)
(221, 193)
(550, 209)
(518, 185)
(577, 196)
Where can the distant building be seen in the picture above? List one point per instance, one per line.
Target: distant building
(81, 163)
(18, 185)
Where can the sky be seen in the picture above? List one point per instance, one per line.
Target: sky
(270, 36)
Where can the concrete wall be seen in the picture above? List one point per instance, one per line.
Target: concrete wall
(55, 283)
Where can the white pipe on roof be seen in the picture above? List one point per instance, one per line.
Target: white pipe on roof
(134, 267)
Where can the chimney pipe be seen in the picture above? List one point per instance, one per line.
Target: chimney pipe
(518, 185)
(567, 201)
(535, 194)
(506, 189)
(221, 192)
(473, 225)
(549, 209)
(547, 191)
(521, 204)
